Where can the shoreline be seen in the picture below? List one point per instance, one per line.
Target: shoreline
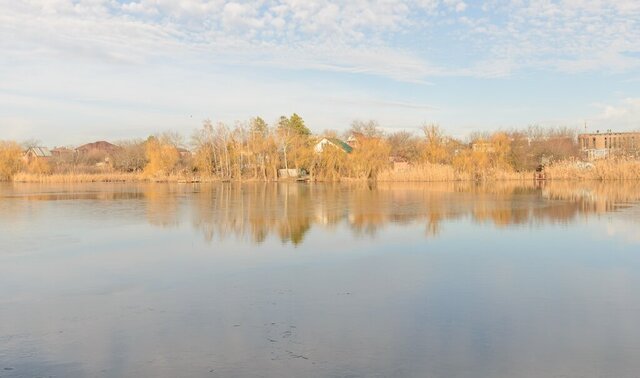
(601, 170)
(109, 178)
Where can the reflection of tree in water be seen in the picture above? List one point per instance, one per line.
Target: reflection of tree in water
(14, 211)
(595, 197)
(289, 211)
(367, 209)
(161, 202)
(295, 220)
(23, 201)
(253, 210)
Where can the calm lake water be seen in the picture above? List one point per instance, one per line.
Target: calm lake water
(312, 280)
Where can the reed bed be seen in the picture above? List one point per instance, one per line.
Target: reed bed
(610, 169)
(78, 178)
(441, 172)
(63, 178)
(423, 172)
(602, 170)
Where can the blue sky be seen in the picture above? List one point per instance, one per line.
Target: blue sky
(73, 71)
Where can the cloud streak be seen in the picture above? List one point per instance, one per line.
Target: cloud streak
(127, 60)
(366, 37)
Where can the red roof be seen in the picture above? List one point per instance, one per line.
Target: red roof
(97, 146)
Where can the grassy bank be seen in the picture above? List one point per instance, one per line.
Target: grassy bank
(78, 178)
(603, 170)
(443, 173)
(63, 178)
(621, 169)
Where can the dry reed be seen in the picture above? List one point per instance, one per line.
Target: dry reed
(423, 172)
(428, 172)
(77, 178)
(608, 169)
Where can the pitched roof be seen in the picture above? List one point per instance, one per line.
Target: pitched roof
(40, 151)
(335, 142)
(100, 145)
(61, 150)
(338, 143)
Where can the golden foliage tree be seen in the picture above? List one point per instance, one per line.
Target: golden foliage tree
(10, 159)
(330, 164)
(501, 143)
(370, 157)
(435, 149)
(162, 157)
(294, 141)
(205, 157)
(39, 166)
(257, 146)
(474, 162)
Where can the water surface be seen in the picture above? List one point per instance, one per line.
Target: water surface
(319, 280)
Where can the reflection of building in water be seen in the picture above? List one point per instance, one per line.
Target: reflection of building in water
(595, 197)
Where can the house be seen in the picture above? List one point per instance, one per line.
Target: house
(333, 142)
(355, 138)
(37, 153)
(483, 146)
(399, 163)
(184, 153)
(61, 152)
(601, 145)
(99, 147)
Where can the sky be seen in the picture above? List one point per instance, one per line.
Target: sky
(74, 71)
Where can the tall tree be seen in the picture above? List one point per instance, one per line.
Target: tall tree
(259, 126)
(369, 129)
(294, 140)
(435, 144)
(162, 156)
(10, 159)
(296, 123)
(257, 145)
(404, 145)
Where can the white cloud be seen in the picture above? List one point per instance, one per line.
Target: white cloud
(569, 35)
(566, 36)
(178, 54)
(623, 115)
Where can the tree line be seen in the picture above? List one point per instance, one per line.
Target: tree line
(257, 150)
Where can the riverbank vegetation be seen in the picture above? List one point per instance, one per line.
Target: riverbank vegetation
(255, 150)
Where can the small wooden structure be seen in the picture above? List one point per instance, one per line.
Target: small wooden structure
(539, 173)
(293, 174)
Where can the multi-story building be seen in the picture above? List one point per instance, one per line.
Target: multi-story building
(601, 145)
